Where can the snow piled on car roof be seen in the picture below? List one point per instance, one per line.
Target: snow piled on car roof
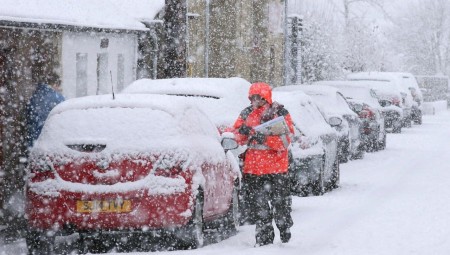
(325, 97)
(354, 91)
(304, 112)
(222, 99)
(129, 124)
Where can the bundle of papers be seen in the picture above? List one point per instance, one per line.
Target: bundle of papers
(276, 126)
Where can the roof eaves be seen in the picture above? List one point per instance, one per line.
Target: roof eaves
(64, 27)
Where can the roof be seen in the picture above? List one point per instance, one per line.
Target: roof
(142, 10)
(98, 14)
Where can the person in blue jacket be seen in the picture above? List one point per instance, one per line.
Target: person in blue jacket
(43, 100)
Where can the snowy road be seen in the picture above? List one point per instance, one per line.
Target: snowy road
(395, 201)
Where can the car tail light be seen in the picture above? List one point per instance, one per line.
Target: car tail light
(396, 101)
(168, 172)
(41, 171)
(366, 113)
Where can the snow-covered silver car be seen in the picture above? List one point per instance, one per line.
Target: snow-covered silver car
(393, 79)
(315, 164)
(390, 100)
(332, 104)
(364, 102)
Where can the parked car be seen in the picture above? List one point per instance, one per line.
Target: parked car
(315, 164)
(133, 165)
(395, 80)
(333, 104)
(222, 99)
(390, 100)
(410, 82)
(364, 102)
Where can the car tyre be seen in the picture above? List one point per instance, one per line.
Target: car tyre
(418, 120)
(319, 186)
(344, 152)
(336, 175)
(382, 144)
(397, 128)
(39, 242)
(232, 220)
(192, 236)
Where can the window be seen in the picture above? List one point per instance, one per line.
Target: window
(102, 74)
(81, 67)
(120, 72)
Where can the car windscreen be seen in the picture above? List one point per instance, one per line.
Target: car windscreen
(124, 128)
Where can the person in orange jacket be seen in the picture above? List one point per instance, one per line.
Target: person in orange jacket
(265, 169)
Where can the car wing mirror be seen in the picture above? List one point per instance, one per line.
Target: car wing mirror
(357, 107)
(334, 121)
(229, 143)
(385, 103)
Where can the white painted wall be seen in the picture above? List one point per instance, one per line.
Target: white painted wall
(89, 43)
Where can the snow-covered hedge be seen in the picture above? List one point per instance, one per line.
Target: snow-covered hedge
(432, 108)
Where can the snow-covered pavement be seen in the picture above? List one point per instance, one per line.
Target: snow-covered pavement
(395, 201)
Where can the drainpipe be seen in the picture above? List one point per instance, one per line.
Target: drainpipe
(155, 52)
(153, 36)
(207, 10)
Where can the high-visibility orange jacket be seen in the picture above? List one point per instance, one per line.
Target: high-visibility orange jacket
(271, 156)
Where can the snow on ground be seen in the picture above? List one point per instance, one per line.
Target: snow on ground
(391, 202)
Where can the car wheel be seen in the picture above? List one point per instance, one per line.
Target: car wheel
(39, 242)
(232, 220)
(192, 234)
(418, 120)
(408, 123)
(344, 152)
(397, 128)
(375, 145)
(335, 178)
(318, 186)
(382, 144)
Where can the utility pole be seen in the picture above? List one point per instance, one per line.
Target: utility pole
(207, 12)
(286, 56)
(175, 43)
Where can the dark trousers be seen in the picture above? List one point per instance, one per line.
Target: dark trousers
(271, 198)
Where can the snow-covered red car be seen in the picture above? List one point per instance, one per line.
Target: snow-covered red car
(138, 164)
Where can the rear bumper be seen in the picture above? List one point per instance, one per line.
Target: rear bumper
(59, 213)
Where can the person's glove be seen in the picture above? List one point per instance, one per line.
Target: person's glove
(259, 137)
(245, 130)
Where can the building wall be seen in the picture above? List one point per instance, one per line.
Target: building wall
(88, 63)
(28, 56)
(196, 40)
(245, 40)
